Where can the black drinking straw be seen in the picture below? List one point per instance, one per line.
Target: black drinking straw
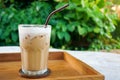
(53, 12)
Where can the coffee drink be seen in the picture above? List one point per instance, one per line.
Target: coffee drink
(34, 44)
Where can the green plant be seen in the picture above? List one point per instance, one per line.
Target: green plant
(12, 16)
(84, 23)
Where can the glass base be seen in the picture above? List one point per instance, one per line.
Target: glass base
(34, 74)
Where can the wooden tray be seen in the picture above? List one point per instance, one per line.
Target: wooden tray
(62, 65)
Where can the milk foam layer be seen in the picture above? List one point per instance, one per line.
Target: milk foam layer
(33, 30)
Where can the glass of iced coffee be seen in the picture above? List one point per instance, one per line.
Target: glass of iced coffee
(34, 43)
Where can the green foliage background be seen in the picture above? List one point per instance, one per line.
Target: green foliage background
(83, 25)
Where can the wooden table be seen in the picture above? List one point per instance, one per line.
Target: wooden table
(107, 64)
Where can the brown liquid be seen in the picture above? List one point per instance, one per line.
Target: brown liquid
(34, 52)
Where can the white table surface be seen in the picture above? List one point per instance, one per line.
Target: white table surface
(107, 64)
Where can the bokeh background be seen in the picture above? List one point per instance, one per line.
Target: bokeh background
(84, 25)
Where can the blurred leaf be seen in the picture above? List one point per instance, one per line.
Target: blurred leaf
(96, 29)
(14, 36)
(10, 15)
(72, 5)
(72, 25)
(81, 30)
(60, 5)
(0, 32)
(98, 22)
(14, 27)
(6, 31)
(67, 37)
(100, 3)
(83, 3)
(108, 35)
(11, 1)
(53, 35)
(69, 16)
(60, 35)
(64, 28)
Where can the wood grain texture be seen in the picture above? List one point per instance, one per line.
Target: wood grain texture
(6, 57)
(62, 65)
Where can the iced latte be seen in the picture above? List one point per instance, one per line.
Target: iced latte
(34, 44)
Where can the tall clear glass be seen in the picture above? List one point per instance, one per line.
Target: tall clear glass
(34, 43)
